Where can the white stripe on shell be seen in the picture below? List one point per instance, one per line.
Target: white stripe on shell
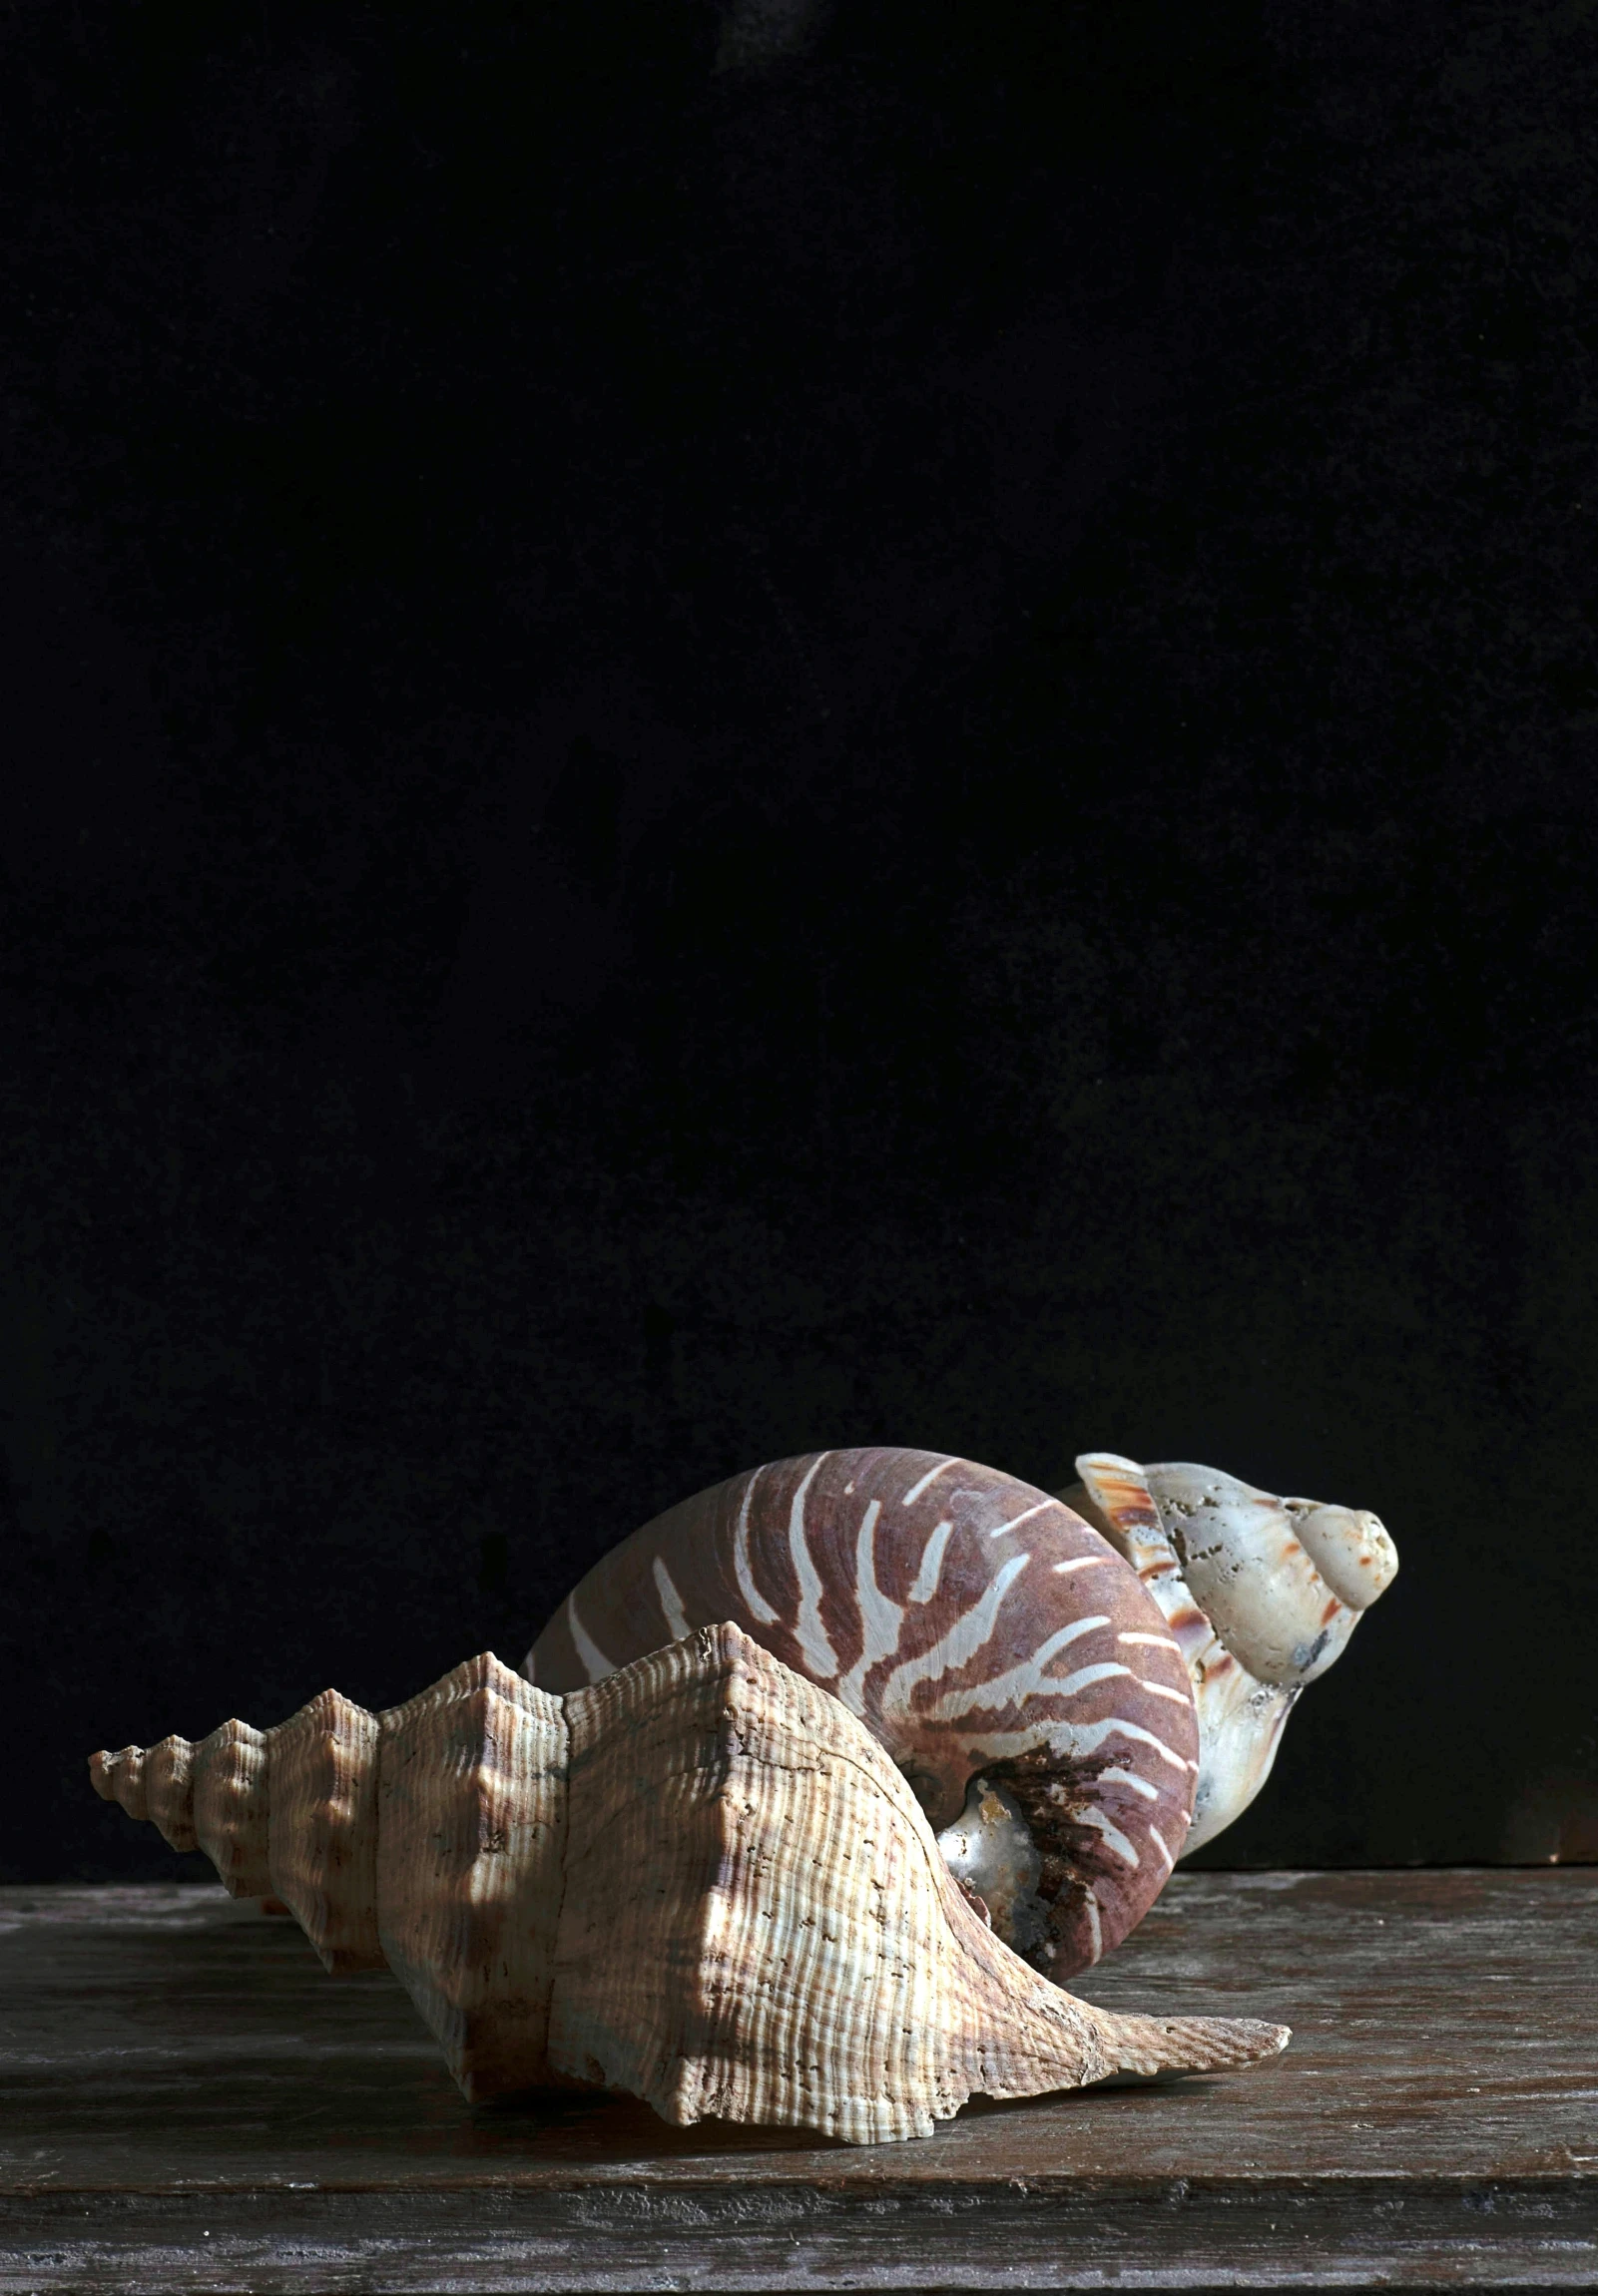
(808, 1628)
(1114, 1839)
(671, 1601)
(1159, 1838)
(1128, 1778)
(587, 1648)
(927, 1578)
(1155, 1641)
(959, 1647)
(758, 1608)
(880, 1619)
(1084, 1563)
(931, 1476)
(981, 1697)
(1067, 1741)
(1094, 1930)
(1026, 1681)
(1016, 1521)
(1087, 1737)
(1159, 1690)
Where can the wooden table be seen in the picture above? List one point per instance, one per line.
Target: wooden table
(188, 2103)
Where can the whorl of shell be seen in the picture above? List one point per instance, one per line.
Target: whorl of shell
(200, 1797)
(410, 1839)
(700, 1881)
(1262, 1594)
(994, 1644)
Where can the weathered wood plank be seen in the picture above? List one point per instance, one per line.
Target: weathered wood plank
(186, 2102)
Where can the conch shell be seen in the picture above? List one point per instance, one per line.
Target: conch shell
(698, 1880)
(1260, 1592)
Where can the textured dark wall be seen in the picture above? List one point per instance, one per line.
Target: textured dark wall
(703, 767)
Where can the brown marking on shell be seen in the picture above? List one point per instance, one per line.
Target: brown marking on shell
(699, 1880)
(1114, 1495)
(1115, 1499)
(1059, 1808)
(976, 1901)
(967, 1618)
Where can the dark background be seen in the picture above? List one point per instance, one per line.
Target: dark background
(702, 765)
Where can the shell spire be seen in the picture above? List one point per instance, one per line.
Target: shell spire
(699, 1880)
(1261, 1594)
(398, 1840)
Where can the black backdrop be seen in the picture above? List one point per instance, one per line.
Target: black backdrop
(705, 764)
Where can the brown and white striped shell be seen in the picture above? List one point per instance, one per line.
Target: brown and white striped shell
(998, 1646)
(699, 1880)
(1261, 1593)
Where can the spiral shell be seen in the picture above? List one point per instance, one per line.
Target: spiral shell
(699, 1880)
(1262, 1594)
(994, 1644)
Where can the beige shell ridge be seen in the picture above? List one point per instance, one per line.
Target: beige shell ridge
(700, 1881)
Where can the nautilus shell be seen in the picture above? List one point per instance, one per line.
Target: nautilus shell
(1062, 1699)
(699, 1880)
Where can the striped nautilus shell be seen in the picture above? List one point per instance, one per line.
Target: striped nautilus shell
(1077, 1687)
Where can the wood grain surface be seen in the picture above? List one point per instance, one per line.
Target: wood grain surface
(190, 2104)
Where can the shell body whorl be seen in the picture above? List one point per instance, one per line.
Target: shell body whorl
(994, 1644)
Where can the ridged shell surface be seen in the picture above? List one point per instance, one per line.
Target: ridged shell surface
(322, 1831)
(470, 1849)
(759, 1925)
